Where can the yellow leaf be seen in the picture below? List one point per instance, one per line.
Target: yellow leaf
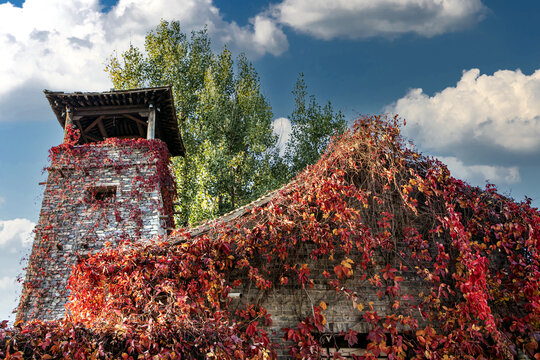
(323, 305)
(360, 307)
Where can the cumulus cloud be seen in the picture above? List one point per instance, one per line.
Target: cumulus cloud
(265, 37)
(63, 44)
(367, 18)
(479, 174)
(16, 232)
(499, 111)
(138, 16)
(282, 128)
(10, 289)
(8, 283)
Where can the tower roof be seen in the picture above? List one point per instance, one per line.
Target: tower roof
(122, 113)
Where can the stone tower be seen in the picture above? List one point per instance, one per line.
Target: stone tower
(108, 183)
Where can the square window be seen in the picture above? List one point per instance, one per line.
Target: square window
(101, 194)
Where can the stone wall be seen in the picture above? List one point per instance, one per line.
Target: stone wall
(290, 304)
(95, 194)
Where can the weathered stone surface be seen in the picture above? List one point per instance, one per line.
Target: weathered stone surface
(79, 217)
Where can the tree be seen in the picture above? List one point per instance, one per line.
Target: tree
(312, 128)
(224, 120)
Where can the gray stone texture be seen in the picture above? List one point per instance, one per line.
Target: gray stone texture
(73, 223)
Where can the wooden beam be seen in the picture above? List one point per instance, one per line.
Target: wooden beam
(151, 131)
(138, 121)
(109, 110)
(83, 135)
(102, 129)
(141, 130)
(68, 123)
(94, 123)
(92, 138)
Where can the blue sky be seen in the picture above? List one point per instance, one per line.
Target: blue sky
(462, 72)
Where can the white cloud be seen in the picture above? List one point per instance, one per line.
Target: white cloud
(16, 232)
(63, 45)
(479, 174)
(10, 289)
(282, 128)
(367, 18)
(494, 111)
(265, 37)
(8, 283)
(138, 16)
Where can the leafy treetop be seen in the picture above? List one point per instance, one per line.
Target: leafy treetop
(232, 155)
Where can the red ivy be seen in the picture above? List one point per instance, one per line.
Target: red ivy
(458, 267)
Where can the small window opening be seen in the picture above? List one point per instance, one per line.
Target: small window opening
(101, 194)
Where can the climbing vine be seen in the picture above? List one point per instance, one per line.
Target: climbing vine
(423, 265)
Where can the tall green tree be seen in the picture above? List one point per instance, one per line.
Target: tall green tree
(224, 119)
(313, 126)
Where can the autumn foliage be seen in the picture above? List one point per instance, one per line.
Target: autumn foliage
(458, 266)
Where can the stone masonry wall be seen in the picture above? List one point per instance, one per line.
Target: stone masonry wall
(94, 196)
(290, 304)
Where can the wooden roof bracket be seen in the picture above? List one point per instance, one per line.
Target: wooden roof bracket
(94, 123)
(79, 126)
(102, 128)
(131, 117)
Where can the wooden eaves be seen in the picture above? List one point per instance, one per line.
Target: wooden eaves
(122, 113)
